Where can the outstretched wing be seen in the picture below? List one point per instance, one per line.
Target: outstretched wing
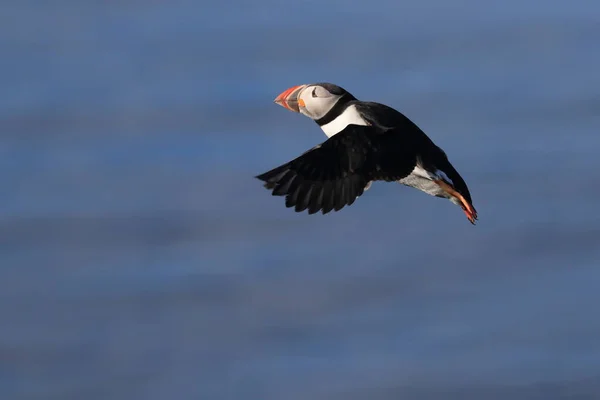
(333, 174)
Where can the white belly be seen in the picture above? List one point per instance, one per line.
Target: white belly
(423, 180)
(426, 185)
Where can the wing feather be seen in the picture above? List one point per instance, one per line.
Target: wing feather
(335, 173)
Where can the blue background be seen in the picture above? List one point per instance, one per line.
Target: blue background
(140, 259)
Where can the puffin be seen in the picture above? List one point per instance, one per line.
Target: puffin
(366, 142)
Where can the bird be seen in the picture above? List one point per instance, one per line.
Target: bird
(366, 142)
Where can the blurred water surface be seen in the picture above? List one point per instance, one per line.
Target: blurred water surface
(140, 259)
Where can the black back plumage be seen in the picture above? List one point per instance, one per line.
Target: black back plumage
(430, 156)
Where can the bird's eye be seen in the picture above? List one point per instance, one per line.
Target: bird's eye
(314, 92)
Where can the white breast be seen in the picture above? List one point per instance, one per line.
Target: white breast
(349, 116)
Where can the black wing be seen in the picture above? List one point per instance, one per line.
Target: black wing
(333, 174)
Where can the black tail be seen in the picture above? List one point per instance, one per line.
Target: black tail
(459, 186)
(457, 181)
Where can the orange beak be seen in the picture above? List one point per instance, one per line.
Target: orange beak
(289, 98)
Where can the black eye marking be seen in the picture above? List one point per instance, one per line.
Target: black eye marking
(314, 92)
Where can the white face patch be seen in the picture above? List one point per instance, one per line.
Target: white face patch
(317, 101)
(348, 117)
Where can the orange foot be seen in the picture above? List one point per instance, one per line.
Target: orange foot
(468, 209)
(471, 213)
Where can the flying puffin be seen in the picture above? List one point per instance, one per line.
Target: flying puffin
(366, 142)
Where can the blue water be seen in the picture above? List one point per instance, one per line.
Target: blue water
(140, 259)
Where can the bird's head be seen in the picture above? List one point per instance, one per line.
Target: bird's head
(313, 100)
